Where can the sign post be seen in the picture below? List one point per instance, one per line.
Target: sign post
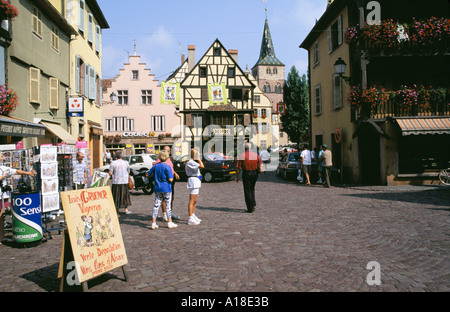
(93, 243)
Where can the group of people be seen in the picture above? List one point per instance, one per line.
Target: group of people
(324, 161)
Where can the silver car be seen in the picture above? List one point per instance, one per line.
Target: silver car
(138, 162)
(289, 165)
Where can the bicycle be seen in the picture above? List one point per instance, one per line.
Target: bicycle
(444, 176)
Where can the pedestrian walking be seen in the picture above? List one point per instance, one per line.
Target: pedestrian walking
(306, 162)
(320, 166)
(194, 183)
(107, 158)
(176, 177)
(120, 172)
(249, 163)
(81, 172)
(163, 188)
(327, 160)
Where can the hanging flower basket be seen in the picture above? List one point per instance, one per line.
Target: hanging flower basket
(7, 10)
(8, 100)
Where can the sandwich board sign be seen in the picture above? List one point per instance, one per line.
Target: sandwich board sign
(93, 243)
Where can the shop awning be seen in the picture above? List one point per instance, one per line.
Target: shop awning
(12, 126)
(416, 126)
(59, 131)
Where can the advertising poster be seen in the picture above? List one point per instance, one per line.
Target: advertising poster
(170, 93)
(217, 94)
(94, 231)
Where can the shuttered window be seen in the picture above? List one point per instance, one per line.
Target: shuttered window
(81, 15)
(98, 33)
(35, 76)
(90, 28)
(37, 22)
(54, 93)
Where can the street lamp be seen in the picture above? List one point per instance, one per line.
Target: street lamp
(113, 97)
(340, 66)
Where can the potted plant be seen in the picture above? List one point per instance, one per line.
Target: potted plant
(7, 10)
(117, 138)
(8, 100)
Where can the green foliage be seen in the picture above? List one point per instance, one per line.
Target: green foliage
(296, 97)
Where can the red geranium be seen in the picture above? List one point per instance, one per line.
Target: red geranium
(7, 10)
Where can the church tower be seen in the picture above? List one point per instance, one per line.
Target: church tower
(269, 71)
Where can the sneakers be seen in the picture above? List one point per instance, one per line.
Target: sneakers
(174, 217)
(196, 218)
(320, 181)
(171, 225)
(154, 226)
(193, 221)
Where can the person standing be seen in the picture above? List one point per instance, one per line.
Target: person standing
(306, 162)
(320, 166)
(249, 163)
(81, 172)
(120, 172)
(163, 188)
(107, 157)
(327, 160)
(194, 183)
(176, 177)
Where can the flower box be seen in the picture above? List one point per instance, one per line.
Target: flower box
(8, 100)
(7, 10)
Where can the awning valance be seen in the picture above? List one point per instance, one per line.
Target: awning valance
(12, 126)
(416, 126)
(59, 131)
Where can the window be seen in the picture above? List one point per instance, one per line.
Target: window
(316, 53)
(54, 93)
(335, 35)
(337, 91)
(135, 75)
(90, 28)
(55, 38)
(318, 100)
(268, 72)
(275, 71)
(158, 123)
(35, 85)
(202, 71)
(231, 72)
(146, 97)
(130, 124)
(236, 94)
(108, 125)
(119, 123)
(205, 96)
(122, 97)
(37, 22)
(81, 17)
(266, 88)
(257, 99)
(222, 121)
(98, 34)
(217, 52)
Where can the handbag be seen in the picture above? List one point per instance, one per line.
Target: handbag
(130, 183)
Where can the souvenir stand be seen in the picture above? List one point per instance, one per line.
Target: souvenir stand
(24, 195)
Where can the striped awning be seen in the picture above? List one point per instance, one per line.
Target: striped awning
(435, 125)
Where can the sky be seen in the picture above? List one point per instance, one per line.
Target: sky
(162, 31)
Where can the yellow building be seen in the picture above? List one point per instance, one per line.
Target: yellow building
(86, 73)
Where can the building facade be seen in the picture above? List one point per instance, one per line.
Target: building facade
(38, 68)
(133, 117)
(86, 73)
(386, 118)
(216, 120)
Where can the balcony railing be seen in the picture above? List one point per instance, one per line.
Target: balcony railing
(418, 101)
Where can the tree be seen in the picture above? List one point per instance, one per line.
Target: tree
(296, 120)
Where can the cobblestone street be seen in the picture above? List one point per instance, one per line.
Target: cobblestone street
(299, 239)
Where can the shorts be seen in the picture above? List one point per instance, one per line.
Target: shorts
(307, 169)
(194, 190)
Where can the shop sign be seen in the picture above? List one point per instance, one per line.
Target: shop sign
(76, 107)
(81, 144)
(21, 130)
(135, 134)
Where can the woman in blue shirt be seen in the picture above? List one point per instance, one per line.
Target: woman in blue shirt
(163, 188)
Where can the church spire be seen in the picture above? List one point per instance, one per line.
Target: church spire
(267, 54)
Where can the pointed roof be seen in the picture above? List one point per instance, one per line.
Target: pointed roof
(267, 54)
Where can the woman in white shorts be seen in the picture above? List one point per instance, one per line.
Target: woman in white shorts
(194, 183)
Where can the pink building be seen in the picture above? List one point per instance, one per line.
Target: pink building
(133, 118)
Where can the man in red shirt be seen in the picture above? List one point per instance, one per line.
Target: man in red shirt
(249, 162)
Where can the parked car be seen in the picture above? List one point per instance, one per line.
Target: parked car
(138, 162)
(289, 165)
(216, 167)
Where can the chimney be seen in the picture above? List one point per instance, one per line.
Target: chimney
(234, 55)
(191, 57)
(182, 59)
